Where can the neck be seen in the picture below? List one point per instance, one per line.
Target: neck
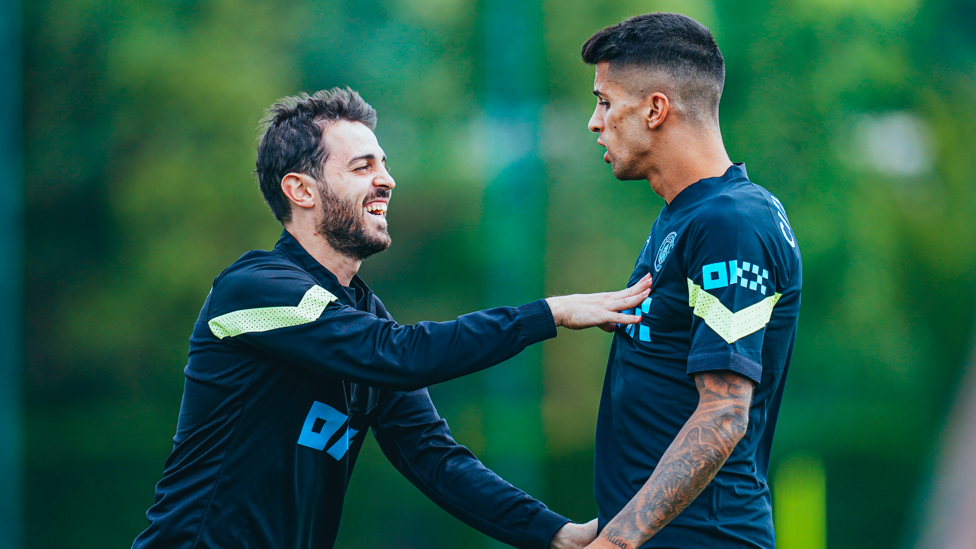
(343, 267)
(689, 160)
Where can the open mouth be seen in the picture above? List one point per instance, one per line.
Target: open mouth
(606, 153)
(376, 208)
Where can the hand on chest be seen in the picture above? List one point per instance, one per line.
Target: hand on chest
(665, 313)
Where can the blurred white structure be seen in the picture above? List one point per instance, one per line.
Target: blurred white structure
(895, 143)
(950, 518)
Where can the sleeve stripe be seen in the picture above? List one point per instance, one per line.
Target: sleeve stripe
(263, 319)
(728, 325)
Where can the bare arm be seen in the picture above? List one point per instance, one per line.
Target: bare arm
(689, 464)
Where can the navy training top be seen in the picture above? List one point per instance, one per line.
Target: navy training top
(287, 370)
(726, 296)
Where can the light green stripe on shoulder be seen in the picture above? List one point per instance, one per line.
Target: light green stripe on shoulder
(263, 319)
(728, 325)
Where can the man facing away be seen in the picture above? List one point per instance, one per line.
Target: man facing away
(692, 392)
(293, 359)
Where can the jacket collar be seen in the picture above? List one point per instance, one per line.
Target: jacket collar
(293, 250)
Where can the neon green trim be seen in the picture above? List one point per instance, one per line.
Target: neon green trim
(263, 319)
(730, 326)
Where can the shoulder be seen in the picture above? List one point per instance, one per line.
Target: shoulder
(259, 279)
(744, 227)
(741, 211)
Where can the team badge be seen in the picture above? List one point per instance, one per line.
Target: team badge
(664, 251)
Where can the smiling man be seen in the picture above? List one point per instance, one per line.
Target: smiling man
(293, 359)
(691, 393)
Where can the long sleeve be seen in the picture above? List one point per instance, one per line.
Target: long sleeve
(284, 312)
(418, 442)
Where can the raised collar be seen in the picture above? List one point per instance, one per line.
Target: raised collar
(692, 193)
(293, 250)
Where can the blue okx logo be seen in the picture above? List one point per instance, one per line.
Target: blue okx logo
(321, 425)
(716, 275)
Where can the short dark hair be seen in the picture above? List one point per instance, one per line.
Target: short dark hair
(293, 139)
(673, 43)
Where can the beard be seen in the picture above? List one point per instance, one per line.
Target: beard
(345, 228)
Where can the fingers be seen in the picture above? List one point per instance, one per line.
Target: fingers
(631, 301)
(586, 310)
(637, 288)
(620, 318)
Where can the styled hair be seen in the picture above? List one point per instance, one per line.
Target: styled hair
(292, 140)
(671, 43)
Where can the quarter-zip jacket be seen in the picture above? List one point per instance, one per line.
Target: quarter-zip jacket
(287, 371)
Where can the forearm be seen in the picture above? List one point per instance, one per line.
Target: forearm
(689, 464)
(419, 444)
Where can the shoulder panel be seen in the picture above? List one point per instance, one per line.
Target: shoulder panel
(263, 319)
(258, 282)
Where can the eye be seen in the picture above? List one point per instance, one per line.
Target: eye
(362, 168)
(603, 103)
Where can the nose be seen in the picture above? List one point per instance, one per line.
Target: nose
(596, 121)
(385, 180)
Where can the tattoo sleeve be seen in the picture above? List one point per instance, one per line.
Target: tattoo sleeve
(690, 463)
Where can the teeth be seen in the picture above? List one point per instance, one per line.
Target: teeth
(376, 207)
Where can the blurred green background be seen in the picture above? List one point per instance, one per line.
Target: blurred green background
(140, 130)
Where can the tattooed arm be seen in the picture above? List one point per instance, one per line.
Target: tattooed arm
(689, 464)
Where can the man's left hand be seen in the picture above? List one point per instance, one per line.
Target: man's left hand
(574, 536)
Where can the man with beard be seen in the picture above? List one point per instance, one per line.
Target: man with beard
(293, 358)
(692, 393)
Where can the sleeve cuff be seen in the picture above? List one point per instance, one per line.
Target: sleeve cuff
(544, 526)
(537, 322)
(726, 361)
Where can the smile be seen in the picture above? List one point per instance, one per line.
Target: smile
(376, 208)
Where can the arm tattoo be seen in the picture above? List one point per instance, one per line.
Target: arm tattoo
(690, 463)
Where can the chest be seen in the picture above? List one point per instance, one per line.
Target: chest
(337, 410)
(665, 314)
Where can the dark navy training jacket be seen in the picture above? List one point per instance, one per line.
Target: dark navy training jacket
(287, 370)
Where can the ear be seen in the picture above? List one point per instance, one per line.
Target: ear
(300, 189)
(658, 110)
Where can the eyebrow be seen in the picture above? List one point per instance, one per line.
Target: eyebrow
(369, 156)
(598, 93)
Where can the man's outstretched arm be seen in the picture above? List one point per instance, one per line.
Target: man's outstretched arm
(418, 442)
(282, 311)
(689, 464)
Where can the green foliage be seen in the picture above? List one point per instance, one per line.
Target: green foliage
(141, 120)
